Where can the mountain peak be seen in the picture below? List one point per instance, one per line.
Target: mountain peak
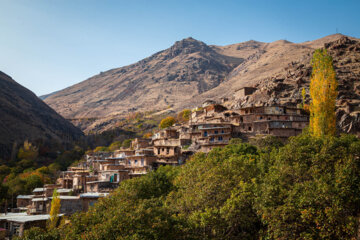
(188, 45)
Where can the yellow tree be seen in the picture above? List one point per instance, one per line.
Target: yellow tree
(167, 122)
(323, 91)
(55, 210)
(303, 94)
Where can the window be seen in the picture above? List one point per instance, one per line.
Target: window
(222, 131)
(167, 150)
(211, 139)
(220, 138)
(158, 151)
(129, 162)
(216, 132)
(142, 162)
(205, 134)
(260, 117)
(249, 128)
(135, 161)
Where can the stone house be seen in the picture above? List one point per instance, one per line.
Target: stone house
(101, 186)
(214, 135)
(16, 223)
(139, 143)
(141, 163)
(245, 91)
(23, 201)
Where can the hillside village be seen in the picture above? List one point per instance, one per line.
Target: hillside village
(209, 126)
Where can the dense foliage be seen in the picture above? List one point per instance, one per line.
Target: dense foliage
(33, 166)
(323, 92)
(307, 189)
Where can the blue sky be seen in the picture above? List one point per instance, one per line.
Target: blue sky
(47, 45)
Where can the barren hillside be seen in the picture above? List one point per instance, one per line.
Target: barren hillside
(185, 75)
(23, 116)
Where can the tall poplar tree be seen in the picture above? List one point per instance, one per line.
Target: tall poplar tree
(323, 91)
(55, 209)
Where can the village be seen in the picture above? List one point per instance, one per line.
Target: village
(209, 126)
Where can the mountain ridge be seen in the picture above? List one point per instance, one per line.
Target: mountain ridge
(182, 76)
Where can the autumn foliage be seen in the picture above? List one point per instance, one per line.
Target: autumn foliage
(167, 122)
(55, 210)
(323, 91)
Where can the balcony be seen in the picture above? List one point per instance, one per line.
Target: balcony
(214, 127)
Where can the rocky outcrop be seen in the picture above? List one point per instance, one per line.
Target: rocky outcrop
(285, 88)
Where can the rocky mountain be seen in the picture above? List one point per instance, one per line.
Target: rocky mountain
(183, 71)
(23, 116)
(190, 72)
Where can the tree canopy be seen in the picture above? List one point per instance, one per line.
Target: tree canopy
(306, 189)
(167, 122)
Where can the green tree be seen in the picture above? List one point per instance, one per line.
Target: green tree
(184, 115)
(311, 190)
(28, 151)
(323, 91)
(115, 146)
(31, 182)
(126, 143)
(167, 122)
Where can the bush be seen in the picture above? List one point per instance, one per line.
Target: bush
(184, 115)
(101, 149)
(126, 143)
(115, 146)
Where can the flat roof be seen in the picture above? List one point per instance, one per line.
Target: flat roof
(67, 197)
(39, 190)
(98, 182)
(110, 170)
(93, 195)
(4, 216)
(25, 196)
(140, 155)
(29, 218)
(39, 199)
(64, 190)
